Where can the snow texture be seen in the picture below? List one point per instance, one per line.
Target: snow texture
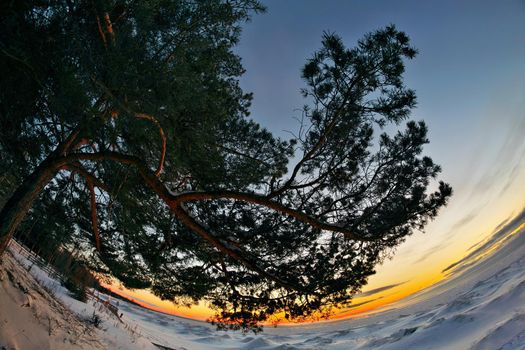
(479, 307)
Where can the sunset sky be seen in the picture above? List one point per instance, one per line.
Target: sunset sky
(470, 80)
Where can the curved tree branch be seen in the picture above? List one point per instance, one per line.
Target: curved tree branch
(140, 116)
(78, 168)
(91, 182)
(176, 200)
(264, 201)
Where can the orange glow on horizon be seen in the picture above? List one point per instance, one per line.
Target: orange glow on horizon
(428, 274)
(201, 312)
(148, 300)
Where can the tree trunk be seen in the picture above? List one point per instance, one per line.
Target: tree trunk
(16, 208)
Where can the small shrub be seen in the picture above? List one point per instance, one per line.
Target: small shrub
(77, 290)
(95, 320)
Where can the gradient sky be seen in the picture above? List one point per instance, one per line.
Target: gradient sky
(469, 77)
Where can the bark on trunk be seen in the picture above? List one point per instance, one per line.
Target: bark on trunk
(22, 199)
(16, 208)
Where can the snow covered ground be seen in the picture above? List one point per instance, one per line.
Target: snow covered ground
(480, 306)
(37, 312)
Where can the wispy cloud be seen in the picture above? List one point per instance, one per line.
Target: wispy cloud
(465, 220)
(448, 236)
(380, 289)
(495, 229)
(434, 249)
(512, 175)
(353, 306)
(506, 162)
(500, 233)
(363, 303)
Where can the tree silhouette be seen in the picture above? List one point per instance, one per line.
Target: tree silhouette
(131, 114)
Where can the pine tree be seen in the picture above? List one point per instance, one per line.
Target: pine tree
(129, 115)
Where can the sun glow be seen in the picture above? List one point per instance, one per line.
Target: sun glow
(395, 281)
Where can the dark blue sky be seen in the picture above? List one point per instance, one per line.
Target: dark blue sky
(471, 61)
(470, 80)
(469, 51)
